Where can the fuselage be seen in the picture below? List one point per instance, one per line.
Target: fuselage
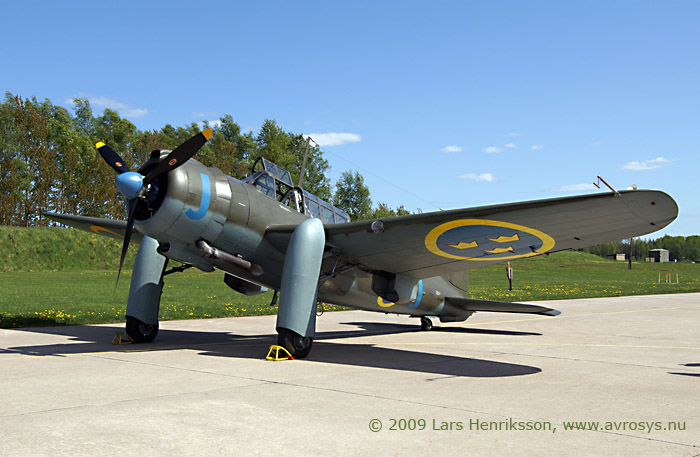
(232, 216)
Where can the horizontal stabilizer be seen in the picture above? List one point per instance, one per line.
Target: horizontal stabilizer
(470, 304)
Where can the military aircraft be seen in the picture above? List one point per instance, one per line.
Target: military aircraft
(264, 232)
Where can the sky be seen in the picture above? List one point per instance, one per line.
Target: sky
(437, 104)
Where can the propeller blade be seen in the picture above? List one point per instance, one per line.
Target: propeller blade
(180, 155)
(112, 158)
(127, 237)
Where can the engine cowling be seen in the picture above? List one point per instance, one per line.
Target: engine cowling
(195, 206)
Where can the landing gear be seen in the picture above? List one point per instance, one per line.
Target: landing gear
(296, 316)
(297, 345)
(425, 323)
(139, 331)
(144, 292)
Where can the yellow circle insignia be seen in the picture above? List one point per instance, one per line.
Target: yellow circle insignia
(486, 240)
(384, 304)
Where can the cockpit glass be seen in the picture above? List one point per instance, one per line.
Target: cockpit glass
(276, 183)
(327, 215)
(278, 172)
(314, 209)
(264, 183)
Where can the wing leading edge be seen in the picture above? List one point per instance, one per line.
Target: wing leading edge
(108, 227)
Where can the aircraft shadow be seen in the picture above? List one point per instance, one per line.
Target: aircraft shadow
(370, 356)
(383, 328)
(95, 339)
(695, 375)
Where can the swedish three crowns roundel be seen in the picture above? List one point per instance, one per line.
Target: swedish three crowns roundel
(486, 240)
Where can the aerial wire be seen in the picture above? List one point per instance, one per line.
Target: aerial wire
(383, 178)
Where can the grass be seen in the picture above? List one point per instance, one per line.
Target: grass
(58, 249)
(579, 275)
(53, 276)
(33, 299)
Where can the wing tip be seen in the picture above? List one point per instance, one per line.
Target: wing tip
(552, 312)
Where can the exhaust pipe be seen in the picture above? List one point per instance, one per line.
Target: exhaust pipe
(214, 253)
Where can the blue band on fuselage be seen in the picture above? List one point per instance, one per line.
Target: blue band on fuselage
(204, 203)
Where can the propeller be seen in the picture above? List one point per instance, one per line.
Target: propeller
(134, 186)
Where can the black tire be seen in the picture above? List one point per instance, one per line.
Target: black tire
(426, 324)
(139, 331)
(297, 345)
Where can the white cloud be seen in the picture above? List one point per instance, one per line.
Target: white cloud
(493, 149)
(511, 145)
(134, 112)
(484, 177)
(647, 164)
(599, 142)
(451, 149)
(537, 147)
(123, 109)
(334, 139)
(577, 187)
(515, 134)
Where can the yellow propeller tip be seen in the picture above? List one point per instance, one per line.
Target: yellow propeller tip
(99, 144)
(207, 133)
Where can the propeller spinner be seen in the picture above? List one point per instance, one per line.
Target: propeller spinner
(133, 185)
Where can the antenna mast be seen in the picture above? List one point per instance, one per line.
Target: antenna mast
(303, 163)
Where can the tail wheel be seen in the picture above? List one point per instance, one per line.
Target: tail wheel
(297, 345)
(139, 331)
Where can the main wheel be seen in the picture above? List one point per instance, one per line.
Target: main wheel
(297, 345)
(139, 331)
(425, 323)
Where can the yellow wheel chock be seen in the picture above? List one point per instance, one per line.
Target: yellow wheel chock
(275, 355)
(121, 338)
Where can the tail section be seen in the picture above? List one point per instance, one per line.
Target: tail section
(470, 305)
(457, 309)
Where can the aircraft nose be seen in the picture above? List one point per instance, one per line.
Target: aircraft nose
(129, 184)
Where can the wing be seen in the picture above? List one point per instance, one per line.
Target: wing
(435, 244)
(107, 227)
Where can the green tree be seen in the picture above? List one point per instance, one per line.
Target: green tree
(13, 169)
(66, 143)
(274, 144)
(40, 172)
(352, 196)
(227, 149)
(84, 121)
(287, 151)
(315, 180)
(383, 210)
(401, 211)
(48, 159)
(245, 144)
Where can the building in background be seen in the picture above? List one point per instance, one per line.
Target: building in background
(658, 256)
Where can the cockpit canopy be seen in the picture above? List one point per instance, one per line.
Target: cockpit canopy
(276, 183)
